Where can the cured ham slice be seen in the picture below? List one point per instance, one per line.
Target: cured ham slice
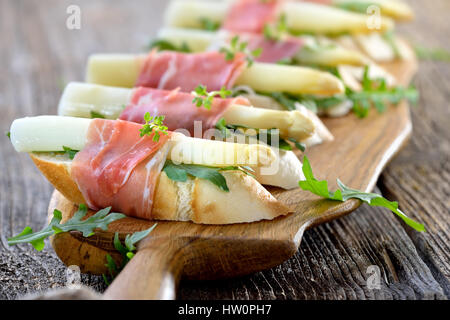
(177, 107)
(171, 70)
(116, 162)
(250, 15)
(272, 50)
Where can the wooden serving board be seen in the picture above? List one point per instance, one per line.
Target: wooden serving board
(361, 149)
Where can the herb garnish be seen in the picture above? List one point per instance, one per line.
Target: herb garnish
(126, 251)
(96, 115)
(70, 152)
(277, 31)
(99, 220)
(209, 25)
(162, 45)
(153, 124)
(264, 135)
(236, 46)
(204, 98)
(180, 172)
(375, 92)
(8, 134)
(344, 193)
(436, 54)
(356, 6)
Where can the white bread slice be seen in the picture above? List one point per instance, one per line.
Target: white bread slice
(196, 200)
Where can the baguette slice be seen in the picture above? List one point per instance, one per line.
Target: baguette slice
(195, 200)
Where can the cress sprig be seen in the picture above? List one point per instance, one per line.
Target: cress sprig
(153, 124)
(237, 46)
(344, 193)
(204, 98)
(277, 31)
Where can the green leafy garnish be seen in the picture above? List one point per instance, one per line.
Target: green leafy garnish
(127, 252)
(286, 100)
(356, 6)
(264, 135)
(277, 31)
(209, 25)
(70, 152)
(375, 92)
(153, 124)
(98, 115)
(164, 45)
(344, 193)
(435, 54)
(8, 134)
(298, 145)
(204, 98)
(87, 226)
(389, 37)
(236, 46)
(180, 172)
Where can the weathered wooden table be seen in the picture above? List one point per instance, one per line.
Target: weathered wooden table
(39, 55)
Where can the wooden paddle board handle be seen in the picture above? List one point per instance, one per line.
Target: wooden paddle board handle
(152, 274)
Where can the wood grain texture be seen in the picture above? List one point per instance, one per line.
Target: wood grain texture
(333, 258)
(360, 151)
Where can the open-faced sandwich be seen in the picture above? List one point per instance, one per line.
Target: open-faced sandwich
(147, 172)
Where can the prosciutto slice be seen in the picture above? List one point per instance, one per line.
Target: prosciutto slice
(171, 70)
(250, 15)
(272, 50)
(119, 168)
(177, 107)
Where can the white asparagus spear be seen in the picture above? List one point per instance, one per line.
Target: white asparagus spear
(300, 17)
(189, 14)
(316, 18)
(314, 52)
(123, 70)
(51, 133)
(80, 99)
(398, 10)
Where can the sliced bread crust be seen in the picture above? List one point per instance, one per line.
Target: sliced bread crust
(196, 200)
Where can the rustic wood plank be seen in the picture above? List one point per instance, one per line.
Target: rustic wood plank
(40, 53)
(420, 176)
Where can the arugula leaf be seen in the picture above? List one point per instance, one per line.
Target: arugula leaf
(389, 37)
(153, 124)
(70, 152)
(298, 145)
(100, 220)
(95, 114)
(356, 6)
(344, 193)
(163, 45)
(204, 98)
(436, 54)
(374, 93)
(131, 240)
(126, 251)
(284, 99)
(209, 25)
(263, 135)
(180, 172)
